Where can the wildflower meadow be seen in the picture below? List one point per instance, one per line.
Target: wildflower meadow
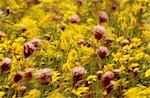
(74, 48)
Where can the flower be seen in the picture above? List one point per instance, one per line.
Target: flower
(99, 74)
(18, 76)
(24, 28)
(102, 52)
(79, 1)
(36, 42)
(22, 90)
(103, 16)
(107, 77)
(78, 73)
(1, 35)
(110, 87)
(44, 76)
(109, 40)
(74, 18)
(125, 42)
(5, 65)
(99, 31)
(29, 73)
(28, 49)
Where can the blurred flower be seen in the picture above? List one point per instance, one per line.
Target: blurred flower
(107, 77)
(79, 1)
(47, 36)
(24, 28)
(29, 73)
(22, 90)
(99, 74)
(36, 42)
(102, 52)
(116, 72)
(1, 35)
(28, 49)
(5, 65)
(109, 40)
(78, 73)
(103, 16)
(125, 42)
(99, 31)
(110, 87)
(75, 18)
(136, 71)
(18, 76)
(44, 76)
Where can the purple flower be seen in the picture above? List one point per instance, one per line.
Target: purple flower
(75, 18)
(78, 73)
(5, 65)
(125, 42)
(99, 31)
(18, 76)
(107, 77)
(28, 49)
(36, 42)
(102, 52)
(45, 76)
(103, 16)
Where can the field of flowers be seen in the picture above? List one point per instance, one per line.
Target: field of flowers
(74, 48)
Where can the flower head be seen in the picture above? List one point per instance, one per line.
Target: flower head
(75, 18)
(99, 31)
(78, 73)
(5, 65)
(44, 76)
(28, 49)
(102, 52)
(103, 16)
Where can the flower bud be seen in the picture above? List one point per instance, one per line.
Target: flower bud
(28, 49)
(142, 22)
(99, 74)
(5, 65)
(36, 42)
(76, 85)
(109, 40)
(99, 31)
(125, 42)
(18, 76)
(28, 74)
(114, 7)
(107, 77)
(75, 18)
(103, 16)
(1, 35)
(78, 73)
(22, 90)
(110, 87)
(102, 52)
(63, 26)
(45, 76)
(80, 2)
(82, 42)
(7, 10)
(47, 36)
(24, 28)
(136, 71)
(116, 72)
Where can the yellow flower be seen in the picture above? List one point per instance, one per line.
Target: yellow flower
(33, 94)
(1, 94)
(80, 91)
